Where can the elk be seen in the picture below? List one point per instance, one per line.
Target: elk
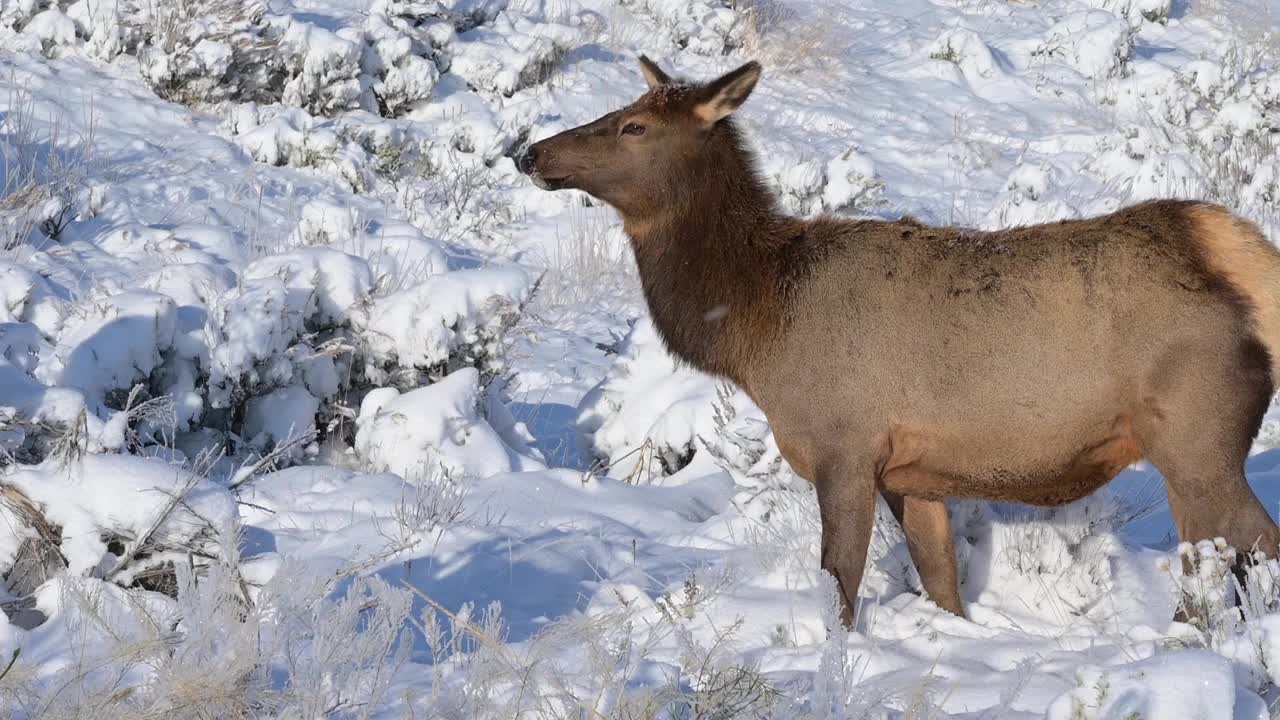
(1029, 365)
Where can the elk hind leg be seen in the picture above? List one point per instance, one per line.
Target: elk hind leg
(1200, 421)
(927, 527)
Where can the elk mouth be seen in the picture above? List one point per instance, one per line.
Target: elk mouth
(550, 183)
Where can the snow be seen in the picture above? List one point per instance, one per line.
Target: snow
(433, 428)
(122, 495)
(433, 458)
(1191, 684)
(421, 326)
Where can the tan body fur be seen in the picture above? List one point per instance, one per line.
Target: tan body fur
(1029, 365)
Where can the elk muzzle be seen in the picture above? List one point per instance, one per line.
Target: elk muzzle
(531, 162)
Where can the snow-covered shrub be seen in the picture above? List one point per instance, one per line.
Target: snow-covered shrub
(591, 258)
(42, 178)
(1096, 44)
(651, 415)
(846, 182)
(141, 515)
(112, 360)
(644, 418)
(323, 68)
(326, 223)
(384, 67)
(851, 183)
(1188, 683)
(110, 344)
(510, 54)
(438, 427)
(1060, 560)
(367, 154)
(1136, 11)
(217, 648)
(27, 297)
(206, 51)
(782, 39)
(1028, 199)
(279, 346)
(1213, 136)
(249, 338)
(458, 198)
(707, 28)
(799, 183)
(447, 321)
(407, 48)
(1232, 600)
(1208, 596)
(969, 52)
(52, 28)
(329, 285)
(399, 255)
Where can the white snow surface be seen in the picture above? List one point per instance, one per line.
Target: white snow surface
(326, 260)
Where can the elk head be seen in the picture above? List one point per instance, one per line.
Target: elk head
(641, 158)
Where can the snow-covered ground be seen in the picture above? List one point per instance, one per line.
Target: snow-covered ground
(312, 406)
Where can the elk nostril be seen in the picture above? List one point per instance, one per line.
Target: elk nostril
(525, 163)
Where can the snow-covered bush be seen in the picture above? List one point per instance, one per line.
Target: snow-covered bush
(42, 178)
(215, 649)
(1136, 11)
(144, 511)
(206, 51)
(967, 51)
(446, 321)
(510, 54)
(27, 297)
(1062, 561)
(707, 28)
(643, 420)
(1028, 199)
(1213, 139)
(293, 137)
(1096, 44)
(434, 428)
(1189, 683)
(851, 184)
(323, 68)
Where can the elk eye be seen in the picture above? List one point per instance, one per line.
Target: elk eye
(632, 129)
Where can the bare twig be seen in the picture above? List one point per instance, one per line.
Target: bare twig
(267, 462)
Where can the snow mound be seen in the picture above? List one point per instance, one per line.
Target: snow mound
(1096, 43)
(1187, 685)
(329, 284)
(651, 414)
(512, 53)
(969, 52)
(117, 343)
(27, 297)
(102, 498)
(421, 432)
(451, 318)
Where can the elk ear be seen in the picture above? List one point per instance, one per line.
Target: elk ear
(652, 73)
(722, 96)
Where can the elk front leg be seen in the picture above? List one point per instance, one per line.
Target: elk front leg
(847, 503)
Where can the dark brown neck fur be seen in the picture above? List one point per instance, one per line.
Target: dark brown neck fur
(712, 260)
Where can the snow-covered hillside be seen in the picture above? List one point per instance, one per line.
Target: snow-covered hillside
(312, 406)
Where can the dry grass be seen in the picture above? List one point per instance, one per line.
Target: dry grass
(776, 36)
(42, 174)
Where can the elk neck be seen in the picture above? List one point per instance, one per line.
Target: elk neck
(711, 263)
